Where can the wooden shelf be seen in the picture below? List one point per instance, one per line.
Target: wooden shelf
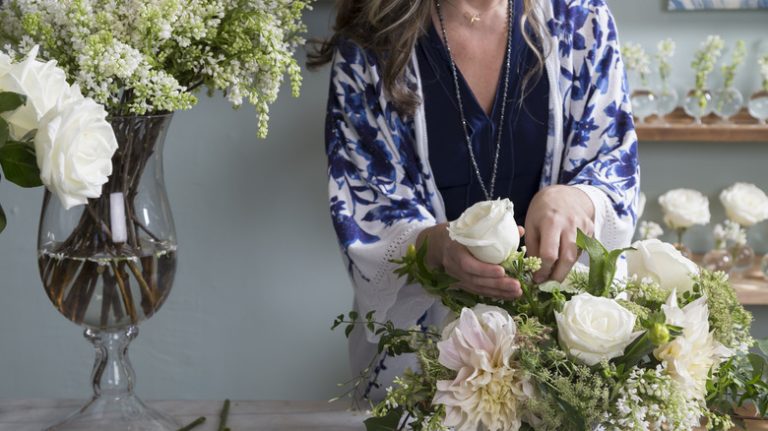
(680, 127)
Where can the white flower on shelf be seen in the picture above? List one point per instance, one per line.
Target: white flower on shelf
(745, 204)
(663, 263)
(690, 357)
(650, 230)
(488, 230)
(594, 329)
(489, 389)
(684, 208)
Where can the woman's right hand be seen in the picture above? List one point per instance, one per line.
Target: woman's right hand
(474, 276)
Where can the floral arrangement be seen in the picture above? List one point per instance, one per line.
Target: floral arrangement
(50, 134)
(763, 62)
(729, 70)
(148, 57)
(665, 348)
(665, 50)
(745, 204)
(637, 60)
(703, 64)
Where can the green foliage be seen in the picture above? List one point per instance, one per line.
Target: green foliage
(742, 379)
(389, 422)
(10, 102)
(729, 320)
(602, 264)
(20, 164)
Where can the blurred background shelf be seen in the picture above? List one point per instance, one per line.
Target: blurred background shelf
(680, 127)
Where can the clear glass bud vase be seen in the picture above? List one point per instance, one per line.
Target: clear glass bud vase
(728, 102)
(758, 106)
(698, 104)
(110, 264)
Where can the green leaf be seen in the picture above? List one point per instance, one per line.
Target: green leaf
(3, 221)
(11, 101)
(20, 164)
(763, 346)
(4, 131)
(602, 263)
(389, 422)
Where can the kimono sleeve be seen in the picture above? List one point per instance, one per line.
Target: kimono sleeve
(378, 201)
(601, 143)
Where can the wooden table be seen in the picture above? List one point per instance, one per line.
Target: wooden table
(34, 415)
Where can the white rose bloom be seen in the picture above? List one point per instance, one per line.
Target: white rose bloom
(689, 357)
(684, 208)
(488, 388)
(43, 84)
(74, 150)
(5, 63)
(488, 229)
(594, 329)
(745, 204)
(663, 263)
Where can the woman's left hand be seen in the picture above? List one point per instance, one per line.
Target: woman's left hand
(554, 216)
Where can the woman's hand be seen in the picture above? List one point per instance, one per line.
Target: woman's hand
(474, 276)
(554, 216)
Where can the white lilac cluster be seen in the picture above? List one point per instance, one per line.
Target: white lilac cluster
(729, 231)
(650, 400)
(704, 61)
(729, 70)
(636, 59)
(144, 57)
(665, 52)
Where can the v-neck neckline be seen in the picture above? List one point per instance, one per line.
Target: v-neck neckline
(478, 110)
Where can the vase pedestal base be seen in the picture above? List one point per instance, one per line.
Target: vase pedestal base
(118, 414)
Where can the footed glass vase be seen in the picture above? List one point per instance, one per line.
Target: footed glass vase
(728, 102)
(108, 265)
(758, 106)
(698, 104)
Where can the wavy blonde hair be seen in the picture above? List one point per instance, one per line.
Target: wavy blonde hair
(390, 30)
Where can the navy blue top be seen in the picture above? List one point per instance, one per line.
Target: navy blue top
(523, 145)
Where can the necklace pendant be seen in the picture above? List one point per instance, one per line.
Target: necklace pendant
(472, 17)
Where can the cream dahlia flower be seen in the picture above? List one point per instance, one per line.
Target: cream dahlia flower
(488, 389)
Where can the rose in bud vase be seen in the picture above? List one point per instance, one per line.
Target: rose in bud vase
(684, 208)
(745, 205)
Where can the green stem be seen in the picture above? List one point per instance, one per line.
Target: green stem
(197, 422)
(223, 416)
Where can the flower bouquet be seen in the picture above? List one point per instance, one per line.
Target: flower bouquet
(667, 348)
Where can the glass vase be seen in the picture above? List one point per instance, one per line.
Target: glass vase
(758, 106)
(698, 104)
(666, 101)
(727, 103)
(718, 259)
(108, 265)
(743, 258)
(643, 104)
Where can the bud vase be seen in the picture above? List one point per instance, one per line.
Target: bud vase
(108, 265)
(698, 104)
(758, 106)
(727, 103)
(666, 101)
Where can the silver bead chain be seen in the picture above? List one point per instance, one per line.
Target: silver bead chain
(488, 196)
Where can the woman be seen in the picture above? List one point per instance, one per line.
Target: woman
(437, 104)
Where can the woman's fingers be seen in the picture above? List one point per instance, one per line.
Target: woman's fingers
(569, 253)
(548, 251)
(488, 292)
(463, 260)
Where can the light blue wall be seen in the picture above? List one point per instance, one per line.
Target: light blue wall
(260, 278)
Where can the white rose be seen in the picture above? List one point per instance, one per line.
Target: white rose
(595, 329)
(44, 84)
(489, 386)
(690, 357)
(663, 263)
(684, 208)
(745, 204)
(488, 229)
(5, 63)
(74, 149)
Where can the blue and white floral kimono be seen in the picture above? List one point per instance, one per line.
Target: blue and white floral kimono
(382, 192)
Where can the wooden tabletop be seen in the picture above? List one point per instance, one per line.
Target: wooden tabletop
(34, 415)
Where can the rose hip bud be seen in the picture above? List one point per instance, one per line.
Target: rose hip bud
(659, 334)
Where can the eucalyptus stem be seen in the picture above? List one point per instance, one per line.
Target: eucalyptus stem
(223, 416)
